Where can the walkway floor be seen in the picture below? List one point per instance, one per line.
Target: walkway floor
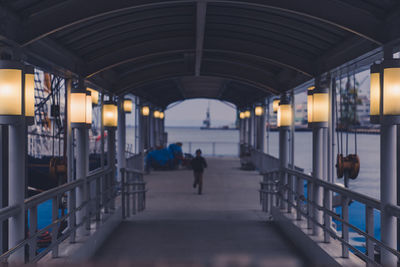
(222, 227)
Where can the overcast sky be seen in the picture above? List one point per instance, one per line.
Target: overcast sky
(191, 113)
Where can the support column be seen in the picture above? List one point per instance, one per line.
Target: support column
(249, 132)
(81, 173)
(388, 192)
(17, 155)
(284, 159)
(121, 136)
(111, 162)
(318, 134)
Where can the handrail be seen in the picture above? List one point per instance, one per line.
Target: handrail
(279, 191)
(103, 201)
(8, 212)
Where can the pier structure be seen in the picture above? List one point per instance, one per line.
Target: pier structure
(157, 53)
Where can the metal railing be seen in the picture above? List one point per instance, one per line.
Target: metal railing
(296, 193)
(100, 192)
(133, 192)
(135, 161)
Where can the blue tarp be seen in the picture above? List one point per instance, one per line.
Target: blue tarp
(164, 158)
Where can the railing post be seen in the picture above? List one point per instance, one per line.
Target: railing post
(345, 228)
(326, 215)
(309, 205)
(123, 200)
(369, 229)
(89, 205)
(72, 217)
(54, 232)
(134, 195)
(32, 233)
(98, 198)
(300, 192)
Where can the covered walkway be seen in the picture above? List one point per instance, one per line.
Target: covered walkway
(222, 227)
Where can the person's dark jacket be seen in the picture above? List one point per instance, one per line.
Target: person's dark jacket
(198, 164)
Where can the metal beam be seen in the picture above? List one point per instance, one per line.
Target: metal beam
(334, 13)
(200, 30)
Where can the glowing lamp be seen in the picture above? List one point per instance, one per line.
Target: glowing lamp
(88, 108)
(310, 105)
(247, 114)
(258, 111)
(127, 105)
(30, 94)
(95, 96)
(78, 108)
(145, 111)
(11, 92)
(375, 93)
(275, 105)
(320, 107)
(242, 115)
(284, 118)
(110, 114)
(391, 91)
(162, 115)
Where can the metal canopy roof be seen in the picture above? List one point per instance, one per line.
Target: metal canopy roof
(239, 51)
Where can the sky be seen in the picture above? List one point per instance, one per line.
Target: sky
(191, 113)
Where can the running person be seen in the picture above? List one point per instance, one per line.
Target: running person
(198, 165)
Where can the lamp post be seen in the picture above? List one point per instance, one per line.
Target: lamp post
(110, 123)
(389, 117)
(79, 119)
(318, 114)
(260, 127)
(12, 113)
(284, 121)
(247, 115)
(124, 106)
(275, 105)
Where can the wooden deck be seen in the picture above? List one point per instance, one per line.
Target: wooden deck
(222, 227)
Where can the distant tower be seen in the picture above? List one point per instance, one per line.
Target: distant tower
(207, 121)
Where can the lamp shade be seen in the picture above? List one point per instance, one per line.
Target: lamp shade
(145, 111)
(242, 115)
(375, 93)
(78, 109)
(162, 115)
(320, 107)
(156, 114)
(127, 105)
(30, 94)
(95, 96)
(391, 88)
(275, 105)
(247, 114)
(88, 108)
(258, 111)
(310, 104)
(110, 114)
(11, 91)
(284, 118)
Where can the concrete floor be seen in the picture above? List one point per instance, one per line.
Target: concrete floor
(222, 227)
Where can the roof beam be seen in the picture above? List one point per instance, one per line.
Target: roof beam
(335, 13)
(201, 9)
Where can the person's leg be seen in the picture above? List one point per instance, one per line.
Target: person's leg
(195, 179)
(200, 182)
